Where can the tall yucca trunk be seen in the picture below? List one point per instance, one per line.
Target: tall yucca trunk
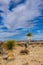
(29, 39)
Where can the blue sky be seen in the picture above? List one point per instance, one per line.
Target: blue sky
(18, 17)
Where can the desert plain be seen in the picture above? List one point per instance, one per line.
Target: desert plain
(34, 56)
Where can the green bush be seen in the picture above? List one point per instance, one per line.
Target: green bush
(9, 45)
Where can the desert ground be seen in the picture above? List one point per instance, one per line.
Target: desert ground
(34, 56)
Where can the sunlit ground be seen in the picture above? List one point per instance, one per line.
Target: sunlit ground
(34, 56)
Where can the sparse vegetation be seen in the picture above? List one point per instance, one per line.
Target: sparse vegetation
(21, 55)
(23, 52)
(9, 46)
(21, 45)
(26, 63)
(29, 35)
(42, 43)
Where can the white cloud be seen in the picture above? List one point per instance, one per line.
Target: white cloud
(38, 31)
(4, 1)
(16, 1)
(23, 38)
(17, 18)
(38, 37)
(21, 13)
(8, 34)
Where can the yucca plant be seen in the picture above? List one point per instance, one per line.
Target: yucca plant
(29, 35)
(9, 46)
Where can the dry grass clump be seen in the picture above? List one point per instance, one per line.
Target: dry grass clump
(23, 52)
(21, 45)
(42, 43)
(41, 64)
(26, 63)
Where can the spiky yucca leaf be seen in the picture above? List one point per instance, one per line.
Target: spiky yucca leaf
(10, 44)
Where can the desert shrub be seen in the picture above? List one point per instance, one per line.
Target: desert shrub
(41, 64)
(26, 63)
(23, 52)
(21, 45)
(42, 43)
(10, 44)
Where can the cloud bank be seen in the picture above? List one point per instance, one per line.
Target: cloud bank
(21, 16)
